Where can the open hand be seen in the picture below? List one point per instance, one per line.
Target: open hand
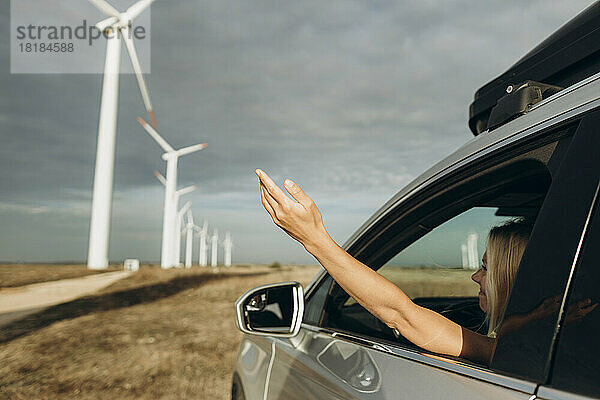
(299, 218)
(579, 310)
(575, 312)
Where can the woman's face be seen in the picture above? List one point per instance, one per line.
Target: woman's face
(479, 278)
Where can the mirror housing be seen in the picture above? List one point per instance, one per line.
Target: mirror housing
(271, 310)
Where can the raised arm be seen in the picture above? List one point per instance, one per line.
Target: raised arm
(301, 219)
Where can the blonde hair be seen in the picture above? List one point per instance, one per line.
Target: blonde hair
(505, 247)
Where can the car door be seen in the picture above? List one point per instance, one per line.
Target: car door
(547, 265)
(333, 359)
(328, 361)
(575, 367)
(573, 371)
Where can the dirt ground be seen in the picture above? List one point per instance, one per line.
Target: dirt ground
(158, 334)
(13, 275)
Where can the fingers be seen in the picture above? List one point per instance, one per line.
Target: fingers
(579, 310)
(297, 193)
(586, 306)
(272, 188)
(279, 196)
(589, 309)
(266, 204)
(584, 303)
(271, 203)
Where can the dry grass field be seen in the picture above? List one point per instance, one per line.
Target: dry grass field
(13, 275)
(158, 334)
(428, 282)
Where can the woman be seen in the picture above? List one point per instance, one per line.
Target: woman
(427, 329)
(506, 244)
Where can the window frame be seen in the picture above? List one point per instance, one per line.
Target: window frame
(482, 160)
(355, 246)
(479, 190)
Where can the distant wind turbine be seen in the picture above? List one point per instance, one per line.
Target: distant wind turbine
(171, 156)
(203, 248)
(472, 253)
(117, 25)
(465, 256)
(214, 241)
(180, 215)
(227, 246)
(189, 239)
(178, 194)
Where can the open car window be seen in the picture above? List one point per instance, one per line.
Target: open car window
(430, 248)
(435, 272)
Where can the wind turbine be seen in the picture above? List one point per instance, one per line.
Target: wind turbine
(203, 248)
(465, 256)
(227, 246)
(117, 25)
(171, 156)
(472, 252)
(180, 215)
(178, 194)
(213, 241)
(189, 239)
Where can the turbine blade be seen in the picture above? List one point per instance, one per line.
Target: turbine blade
(138, 74)
(162, 142)
(184, 209)
(138, 8)
(186, 190)
(105, 23)
(160, 178)
(106, 8)
(191, 149)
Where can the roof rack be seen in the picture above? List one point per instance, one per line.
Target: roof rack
(568, 56)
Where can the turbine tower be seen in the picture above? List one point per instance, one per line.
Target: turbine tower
(180, 215)
(465, 256)
(178, 194)
(213, 241)
(227, 246)
(472, 252)
(189, 239)
(203, 259)
(171, 156)
(116, 26)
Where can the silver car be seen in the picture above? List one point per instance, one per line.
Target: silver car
(535, 154)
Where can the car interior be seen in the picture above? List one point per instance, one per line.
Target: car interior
(516, 189)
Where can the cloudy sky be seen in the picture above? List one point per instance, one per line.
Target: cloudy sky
(351, 99)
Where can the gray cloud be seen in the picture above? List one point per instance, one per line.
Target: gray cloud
(350, 99)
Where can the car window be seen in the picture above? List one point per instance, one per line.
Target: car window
(313, 309)
(435, 271)
(435, 268)
(440, 263)
(577, 363)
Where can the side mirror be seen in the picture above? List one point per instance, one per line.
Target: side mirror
(271, 310)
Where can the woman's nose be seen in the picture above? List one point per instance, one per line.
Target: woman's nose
(475, 277)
